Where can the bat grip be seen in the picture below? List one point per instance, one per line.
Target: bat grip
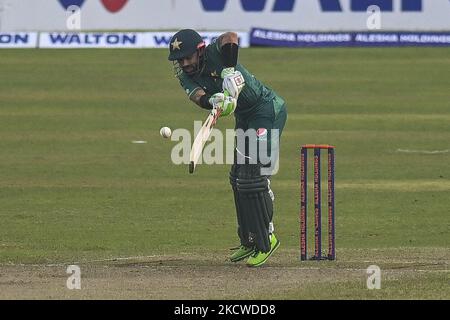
(216, 117)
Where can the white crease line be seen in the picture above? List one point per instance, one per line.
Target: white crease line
(421, 262)
(418, 263)
(423, 151)
(93, 261)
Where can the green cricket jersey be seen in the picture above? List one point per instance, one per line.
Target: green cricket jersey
(254, 94)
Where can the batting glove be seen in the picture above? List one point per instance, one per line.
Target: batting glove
(233, 83)
(225, 103)
(226, 72)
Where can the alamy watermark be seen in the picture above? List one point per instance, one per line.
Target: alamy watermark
(74, 280)
(73, 21)
(250, 146)
(374, 277)
(373, 22)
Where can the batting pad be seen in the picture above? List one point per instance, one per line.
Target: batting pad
(255, 203)
(243, 228)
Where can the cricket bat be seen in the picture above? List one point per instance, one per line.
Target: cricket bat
(200, 140)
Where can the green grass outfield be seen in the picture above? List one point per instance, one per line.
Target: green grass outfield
(73, 188)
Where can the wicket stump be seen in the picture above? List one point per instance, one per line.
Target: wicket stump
(317, 203)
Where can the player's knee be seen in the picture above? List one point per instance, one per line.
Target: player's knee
(250, 180)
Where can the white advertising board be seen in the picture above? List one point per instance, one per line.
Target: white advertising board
(296, 15)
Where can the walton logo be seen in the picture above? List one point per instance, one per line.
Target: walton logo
(110, 5)
(326, 5)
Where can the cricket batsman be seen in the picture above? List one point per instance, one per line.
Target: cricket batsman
(214, 80)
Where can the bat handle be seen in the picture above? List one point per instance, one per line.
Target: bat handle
(219, 112)
(216, 117)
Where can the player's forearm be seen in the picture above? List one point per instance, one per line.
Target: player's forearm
(201, 99)
(228, 37)
(229, 48)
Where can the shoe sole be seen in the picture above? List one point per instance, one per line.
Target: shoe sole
(242, 257)
(270, 253)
